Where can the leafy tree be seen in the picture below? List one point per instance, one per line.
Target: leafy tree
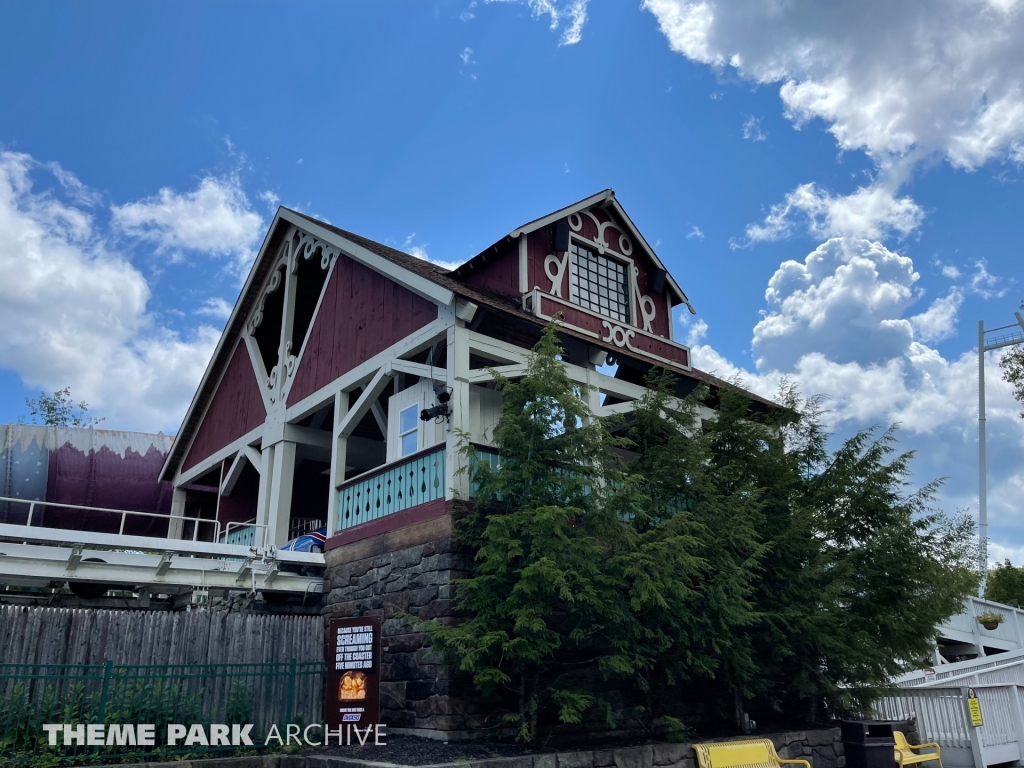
(626, 566)
(1012, 363)
(59, 410)
(1005, 584)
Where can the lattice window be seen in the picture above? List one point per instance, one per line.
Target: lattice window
(599, 283)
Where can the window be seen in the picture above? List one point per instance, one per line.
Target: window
(409, 429)
(599, 283)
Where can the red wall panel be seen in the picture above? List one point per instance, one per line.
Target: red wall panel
(236, 408)
(500, 273)
(589, 322)
(362, 314)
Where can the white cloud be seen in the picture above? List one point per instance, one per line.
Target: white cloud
(844, 300)
(468, 15)
(75, 312)
(902, 82)
(951, 272)
(942, 76)
(695, 232)
(752, 130)
(466, 53)
(215, 307)
(270, 198)
(216, 218)
(938, 322)
(873, 212)
(841, 322)
(983, 283)
(573, 12)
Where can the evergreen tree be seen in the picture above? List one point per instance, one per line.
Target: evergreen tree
(683, 554)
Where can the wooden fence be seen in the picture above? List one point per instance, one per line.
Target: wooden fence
(90, 636)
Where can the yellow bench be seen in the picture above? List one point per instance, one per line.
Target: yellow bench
(906, 756)
(733, 754)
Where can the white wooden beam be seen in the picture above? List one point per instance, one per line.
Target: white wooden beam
(410, 345)
(279, 508)
(417, 369)
(362, 405)
(339, 455)
(307, 436)
(184, 477)
(479, 375)
(234, 472)
(380, 417)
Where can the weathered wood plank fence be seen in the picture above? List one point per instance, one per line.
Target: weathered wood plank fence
(89, 636)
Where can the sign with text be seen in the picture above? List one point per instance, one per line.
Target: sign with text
(353, 672)
(974, 708)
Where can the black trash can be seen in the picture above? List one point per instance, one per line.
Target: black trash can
(868, 744)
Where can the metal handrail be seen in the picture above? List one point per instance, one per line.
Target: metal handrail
(123, 512)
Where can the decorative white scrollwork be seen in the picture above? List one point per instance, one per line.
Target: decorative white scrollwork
(618, 335)
(304, 245)
(625, 244)
(257, 317)
(289, 359)
(648, 311)
(560, 267)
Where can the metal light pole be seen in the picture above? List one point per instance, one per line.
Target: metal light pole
(1015, 336)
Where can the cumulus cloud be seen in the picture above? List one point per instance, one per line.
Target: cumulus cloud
(75, 312)
(872, 212)
(902, 82)
(945, 75)
(216, 218)
(938, 322)
(844, 300)
(848, 321)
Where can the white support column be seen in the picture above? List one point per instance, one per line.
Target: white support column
(279, 508)
(175, 528)
(266, 486)
(457, 483)
(339, 456)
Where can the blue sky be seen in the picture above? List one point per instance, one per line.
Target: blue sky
(838, 189)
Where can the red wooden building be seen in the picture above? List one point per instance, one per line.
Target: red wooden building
(309, 412)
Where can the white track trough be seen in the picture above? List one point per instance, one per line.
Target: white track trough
(32, 555)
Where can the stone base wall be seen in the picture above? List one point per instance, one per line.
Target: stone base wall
(408, 571)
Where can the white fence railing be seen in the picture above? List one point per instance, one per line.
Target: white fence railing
(942, 717)
(103, 518)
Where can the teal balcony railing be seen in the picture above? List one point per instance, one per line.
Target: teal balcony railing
(399, 486)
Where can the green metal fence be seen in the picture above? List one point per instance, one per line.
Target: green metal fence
(32, 695)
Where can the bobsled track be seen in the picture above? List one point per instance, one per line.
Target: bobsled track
(164, 554)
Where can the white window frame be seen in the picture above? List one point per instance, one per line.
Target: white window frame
(607, 253)
(415, 407)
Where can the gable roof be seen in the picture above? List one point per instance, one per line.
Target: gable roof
(604, 199)
(421, 276)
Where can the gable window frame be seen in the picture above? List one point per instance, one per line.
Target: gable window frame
(597, 252)
(413, 431)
